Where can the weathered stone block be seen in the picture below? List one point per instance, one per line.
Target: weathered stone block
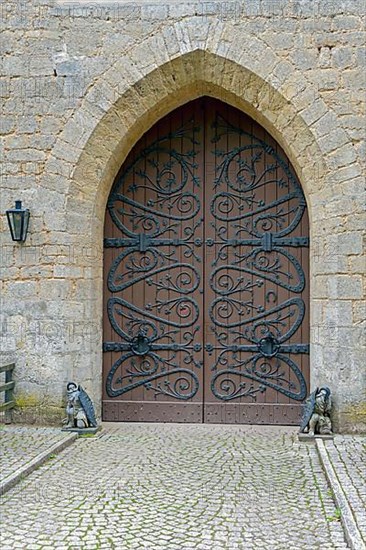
(343, 156)
(55, 289)
(21, 289)
(359, 312)
(348, 172)
(332, 140)
(345, 243)
(338, 312)
(305, 59)
(55, 221)
(354, 79)
(345, 286)
(67, 271)
(314, 112)
(357, 264)
(342, 57)
(27, 125)
(354, 187)
(25, 155)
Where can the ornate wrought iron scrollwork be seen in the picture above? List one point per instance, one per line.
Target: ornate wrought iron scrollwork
(157, 340)
(255, 274)
(262, 374)
(252, 238)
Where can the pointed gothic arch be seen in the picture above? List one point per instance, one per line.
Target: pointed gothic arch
(128, 100)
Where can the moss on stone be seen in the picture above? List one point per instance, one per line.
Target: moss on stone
(31, 409)
(352, 419)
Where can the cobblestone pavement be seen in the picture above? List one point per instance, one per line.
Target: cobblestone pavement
(348, 456)
(20, 444)
(176, 487)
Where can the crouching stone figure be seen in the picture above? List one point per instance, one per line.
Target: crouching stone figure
(316, 415)
(79, 409)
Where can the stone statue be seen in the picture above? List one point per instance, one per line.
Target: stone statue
(79, 409)
(316, 416)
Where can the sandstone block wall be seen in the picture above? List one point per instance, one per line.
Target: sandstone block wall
(82, 81)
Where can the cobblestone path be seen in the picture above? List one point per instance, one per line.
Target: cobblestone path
(176, 487)
(348, 456)
(21, 444)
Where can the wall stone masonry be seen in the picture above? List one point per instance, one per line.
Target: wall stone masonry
(82, 81)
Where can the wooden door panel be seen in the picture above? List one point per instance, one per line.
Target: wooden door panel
(256, 220)
(154, 284)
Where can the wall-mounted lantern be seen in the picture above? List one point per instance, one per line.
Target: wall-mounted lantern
(18, 220)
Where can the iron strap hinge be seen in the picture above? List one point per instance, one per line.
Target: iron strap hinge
(283, 348)
(142, 242)
(131, 346)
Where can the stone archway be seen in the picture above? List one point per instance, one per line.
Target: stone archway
(135, 93)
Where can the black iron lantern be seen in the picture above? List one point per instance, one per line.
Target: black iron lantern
(18, 220)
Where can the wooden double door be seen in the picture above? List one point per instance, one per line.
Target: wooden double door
(206, 292)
